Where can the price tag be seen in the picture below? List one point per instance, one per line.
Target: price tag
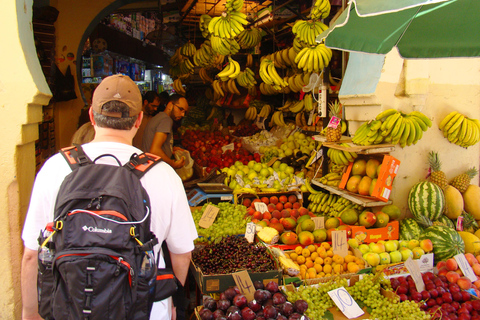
(334, 122)
(426, 263)
(261, 207)
(230, 146)
(260, 123)
(244, 284)
(465, 267)
(345, 303)
(339, 243)
(460, 224)
(208, 216)
(310, 117)
(272, 161)
(319, 222)
(414, 269)
(318, 155)
(250, 231)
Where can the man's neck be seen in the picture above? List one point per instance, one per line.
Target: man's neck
(111, 135)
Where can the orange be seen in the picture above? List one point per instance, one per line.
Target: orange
(319, 260)
(321, 274)
(322, 253)
(338, 269)
(298, 250)
(293, 256)
(349, 258)
(314, 255)
(301, 260)
(338, 259)
(330, 253)
(305, 253)
(352, 267)
(311, 248)
(326, 245)
(312, 273)
(327, 260)
(318, 267)
(309, 263)
(327, 268)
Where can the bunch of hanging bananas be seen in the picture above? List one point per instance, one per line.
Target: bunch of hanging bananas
(188, 49)
(178, 87)
(342, 204)
(217, 90)
(251, 113)
(277, 119)
(265, 111)
(307, 31)
(298, 45)
(460, 129)
(231, 86)
(392, 126)
(205, 56)
(224, 46)
(300, 120)
(176, 58)
(322, 202)
(270, 76)
(283, 58)
(233, 5)
(249, 38)
(246, 78)
(298, 81)
(249, 62)
(320, 9)
(314, 59)
(341, 157)
(228, 25)
(203, 24)
(231, 70)
(338, 168)
(186, 66)
(203, 73)
(268, 90)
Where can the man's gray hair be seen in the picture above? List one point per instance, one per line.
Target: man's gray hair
(124, 123)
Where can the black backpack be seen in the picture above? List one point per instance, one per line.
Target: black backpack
(101, 239)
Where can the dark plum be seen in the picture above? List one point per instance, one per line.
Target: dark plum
(301, 306)
(254, 305)
(279, 298)
(258, 285)
(240, 300)
(232, 309)
(206, 314)
(272, 286)
(288, 309)
(210, 304)
(260, 295)
(269, 312)
(217, 314)
(230, 293)
(248, 314)
(223, 304)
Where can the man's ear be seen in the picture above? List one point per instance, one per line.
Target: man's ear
(138, 122)
(90, 114)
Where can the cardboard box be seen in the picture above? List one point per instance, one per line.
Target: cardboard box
(220, 282)
(388, 172)
(390, 232)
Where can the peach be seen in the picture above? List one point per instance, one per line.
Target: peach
(276, 214)
(255, 200)
(478, 258)
(279, 206)
(443, 271)
(278, 226)
(471, 259)
(267, 215)
(265, 200)
(288, 205)
(247, 202)
(441, 264)
(464, 283)
(477, 284)
(274, 199)
(271, 207)
(459, 271)
(283, 199)
(294, 213)
(292, 198)
(476, 269)
(303, 211)
(452, 276)
(257, 215)
(452, 264)
(296, 205)
(285, 213)
(426, 245)
(274, 220)
(250, 211)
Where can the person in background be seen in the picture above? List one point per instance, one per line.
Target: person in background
(158, 135)
(151, 102)
(164, 97)
(84, 134)
(116, 114)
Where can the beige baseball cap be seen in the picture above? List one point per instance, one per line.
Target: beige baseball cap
(117, 87)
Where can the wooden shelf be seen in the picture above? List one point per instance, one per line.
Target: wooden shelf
(373, 149)
(363, 201)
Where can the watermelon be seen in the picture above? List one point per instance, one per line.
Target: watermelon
(446, 242)
(426, 199)
(443, 220)
(409, 229)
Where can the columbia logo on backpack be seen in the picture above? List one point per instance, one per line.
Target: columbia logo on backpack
(103, 265)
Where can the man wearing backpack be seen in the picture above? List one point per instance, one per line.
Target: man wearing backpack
(116, 115)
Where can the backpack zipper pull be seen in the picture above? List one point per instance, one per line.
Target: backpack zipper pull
(91, 203)
(99, 202)
(119, 264)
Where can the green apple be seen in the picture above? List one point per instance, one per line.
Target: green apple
(252, 174)
(276, 164)
(353, 243)
(283, 167)
(364, 248)
(403, 244)
(413, 244)
(231, 172)
(245, 170)
(372, 259)
(406, 253)
(377, 247)
(395, 256)
(251, 164)
(384, 258)
(391, 245)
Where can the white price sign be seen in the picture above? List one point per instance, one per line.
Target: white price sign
(260, 207)
(465, 267)
(250, 232)
(414, 269)
(345, 303)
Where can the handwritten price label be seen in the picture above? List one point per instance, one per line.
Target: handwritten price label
(230, 146)
(261, 207)
(345, 303)
(465, 267)
(250, 232)
(339, 243)
(319, 222)
(208, 216)
(244, 284)
(414, 269)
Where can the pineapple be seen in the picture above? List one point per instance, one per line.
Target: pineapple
(334, 134)
(437, 176)
(469, 222)
(462, 181)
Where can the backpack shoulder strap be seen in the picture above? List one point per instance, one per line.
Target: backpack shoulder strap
(140, 164)
(75, 156)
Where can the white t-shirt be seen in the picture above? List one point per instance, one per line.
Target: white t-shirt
(171, 219)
